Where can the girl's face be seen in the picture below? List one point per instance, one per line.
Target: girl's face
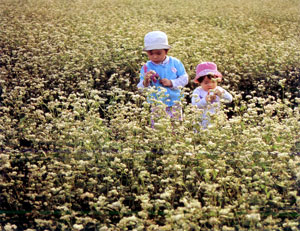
(208, 84)
(157, 56)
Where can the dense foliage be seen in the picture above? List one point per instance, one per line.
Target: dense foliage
(76, 148)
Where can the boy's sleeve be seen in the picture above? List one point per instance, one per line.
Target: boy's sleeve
(142, 74)
(182, 78)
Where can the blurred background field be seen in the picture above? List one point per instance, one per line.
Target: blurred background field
(76, 148)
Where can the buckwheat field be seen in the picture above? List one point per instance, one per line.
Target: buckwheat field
(77, 151)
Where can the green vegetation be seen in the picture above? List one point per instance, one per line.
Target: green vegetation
(76, 148)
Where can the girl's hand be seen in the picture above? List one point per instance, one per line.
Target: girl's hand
(218, 93)
(166, 82)
(210, 98)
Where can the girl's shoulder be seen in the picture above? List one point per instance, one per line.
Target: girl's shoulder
(220, 88)
(199, 90)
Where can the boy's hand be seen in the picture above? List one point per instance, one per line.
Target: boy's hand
(166, 82)
(148, 77)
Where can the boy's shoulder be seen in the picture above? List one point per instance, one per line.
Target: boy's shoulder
(174, 59)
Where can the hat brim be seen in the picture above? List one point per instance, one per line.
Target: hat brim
(156, 47)
(207, 72)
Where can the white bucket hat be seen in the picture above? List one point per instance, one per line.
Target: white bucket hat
(156, 40)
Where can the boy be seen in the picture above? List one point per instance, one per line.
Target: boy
(162, 72)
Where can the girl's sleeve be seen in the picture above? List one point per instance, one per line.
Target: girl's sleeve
(198, 100)
(226, 95)
(182, 78)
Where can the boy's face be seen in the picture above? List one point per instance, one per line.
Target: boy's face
(157, 56)
(208, 84)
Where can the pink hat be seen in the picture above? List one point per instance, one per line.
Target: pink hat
(206, 68)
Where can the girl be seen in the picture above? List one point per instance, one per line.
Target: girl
(208, 95)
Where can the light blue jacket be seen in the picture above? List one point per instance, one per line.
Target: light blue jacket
(171, 68)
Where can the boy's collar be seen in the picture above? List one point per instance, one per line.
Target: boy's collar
(163, 62)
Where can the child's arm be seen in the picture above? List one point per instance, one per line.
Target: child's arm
(145, 77)
(181, 81)
(227, 96)
(223, 94)
(199, 99)
(182, 77)
(166, 82)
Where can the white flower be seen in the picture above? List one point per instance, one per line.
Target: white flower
(226, 228)
(165, 195)
(188, 140)
(253, 217)
(10, 227)
(177, 217)
(115, 205)
(87, 194)
(283, 155)
(211, 144)
(177, 167)
(224, 211)
(188, 154)
(213, 221)
(78, 227)
(103, 228)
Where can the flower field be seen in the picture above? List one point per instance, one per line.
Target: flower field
(77, 151)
